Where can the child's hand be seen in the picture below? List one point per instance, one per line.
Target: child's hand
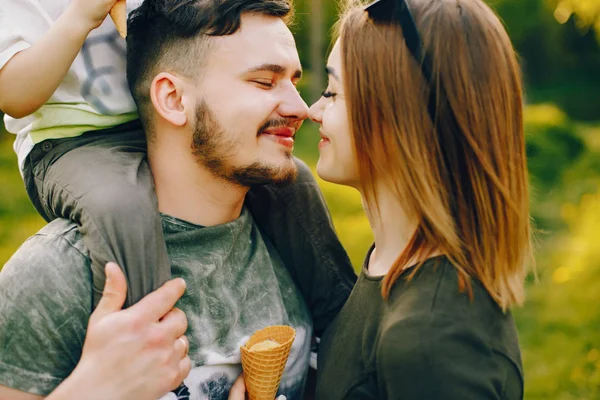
(92, 12)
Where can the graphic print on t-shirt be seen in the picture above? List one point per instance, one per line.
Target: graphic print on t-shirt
(182, 392)
(235, 287)
(103, 80)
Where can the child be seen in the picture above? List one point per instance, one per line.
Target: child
(62, 74)
(64, 90)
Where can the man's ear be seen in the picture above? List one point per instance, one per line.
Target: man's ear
(168, 97)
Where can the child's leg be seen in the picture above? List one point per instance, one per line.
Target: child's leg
(296, 219)
(102, 182)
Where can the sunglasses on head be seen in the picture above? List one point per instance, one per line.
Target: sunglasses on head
(397, 10)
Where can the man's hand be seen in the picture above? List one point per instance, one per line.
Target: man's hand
(138, 353)
(91, 12)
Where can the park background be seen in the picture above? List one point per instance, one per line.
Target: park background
(558, 45)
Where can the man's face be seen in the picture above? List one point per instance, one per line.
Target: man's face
(248, 107)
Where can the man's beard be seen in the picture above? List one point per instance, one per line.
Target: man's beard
(212, 149)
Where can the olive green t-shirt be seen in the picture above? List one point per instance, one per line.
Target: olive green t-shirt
(428, 341)
(236, 284)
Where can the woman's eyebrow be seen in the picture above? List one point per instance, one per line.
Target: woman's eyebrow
(331, 72)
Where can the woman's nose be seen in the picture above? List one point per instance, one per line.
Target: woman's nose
(315, 112)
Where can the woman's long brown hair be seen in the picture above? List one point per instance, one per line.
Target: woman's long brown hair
(463, 177)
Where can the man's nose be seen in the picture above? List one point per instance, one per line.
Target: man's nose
(292, 105)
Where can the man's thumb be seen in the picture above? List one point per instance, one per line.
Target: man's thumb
(115, 291)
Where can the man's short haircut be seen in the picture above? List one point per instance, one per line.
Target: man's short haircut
(174, 36)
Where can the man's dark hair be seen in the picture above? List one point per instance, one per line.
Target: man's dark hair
(174, 36)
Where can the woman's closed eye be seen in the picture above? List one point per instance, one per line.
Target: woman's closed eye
(328, 94)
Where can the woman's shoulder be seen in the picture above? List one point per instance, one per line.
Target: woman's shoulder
(432, 304)
(440, 337)
(435, 289)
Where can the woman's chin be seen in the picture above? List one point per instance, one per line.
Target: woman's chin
(324, 171)
(332, 173)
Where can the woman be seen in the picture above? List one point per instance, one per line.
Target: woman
(423, 116)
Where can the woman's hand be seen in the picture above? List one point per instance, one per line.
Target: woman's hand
(238, 390)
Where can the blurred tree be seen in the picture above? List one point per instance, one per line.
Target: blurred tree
(587, 13)
(559, 50)
(317, 82)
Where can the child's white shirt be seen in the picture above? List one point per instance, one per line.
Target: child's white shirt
(93, 95)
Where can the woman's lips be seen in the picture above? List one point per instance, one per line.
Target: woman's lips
(324, 140)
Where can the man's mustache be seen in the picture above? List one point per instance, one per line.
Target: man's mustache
(279, 123)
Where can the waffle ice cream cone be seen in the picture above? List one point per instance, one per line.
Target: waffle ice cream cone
(264, 364)
(119, 16)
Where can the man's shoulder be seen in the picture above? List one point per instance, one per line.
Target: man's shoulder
(61, 230)
(55, 243)
(53, 259)
(45, 303)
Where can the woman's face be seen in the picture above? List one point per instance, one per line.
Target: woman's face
(337, 161)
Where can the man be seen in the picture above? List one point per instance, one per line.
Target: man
(214, 82)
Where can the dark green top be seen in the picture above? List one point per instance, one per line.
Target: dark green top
(427, 341)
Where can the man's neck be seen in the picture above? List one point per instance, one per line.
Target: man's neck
(188, 191)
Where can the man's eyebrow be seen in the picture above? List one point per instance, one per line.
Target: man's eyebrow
(331, 71)
(276, 69)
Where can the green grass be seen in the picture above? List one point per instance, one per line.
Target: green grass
(18, 218)
(560, 323)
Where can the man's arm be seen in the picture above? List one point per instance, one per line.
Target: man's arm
(135, 353)
(31, 76)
